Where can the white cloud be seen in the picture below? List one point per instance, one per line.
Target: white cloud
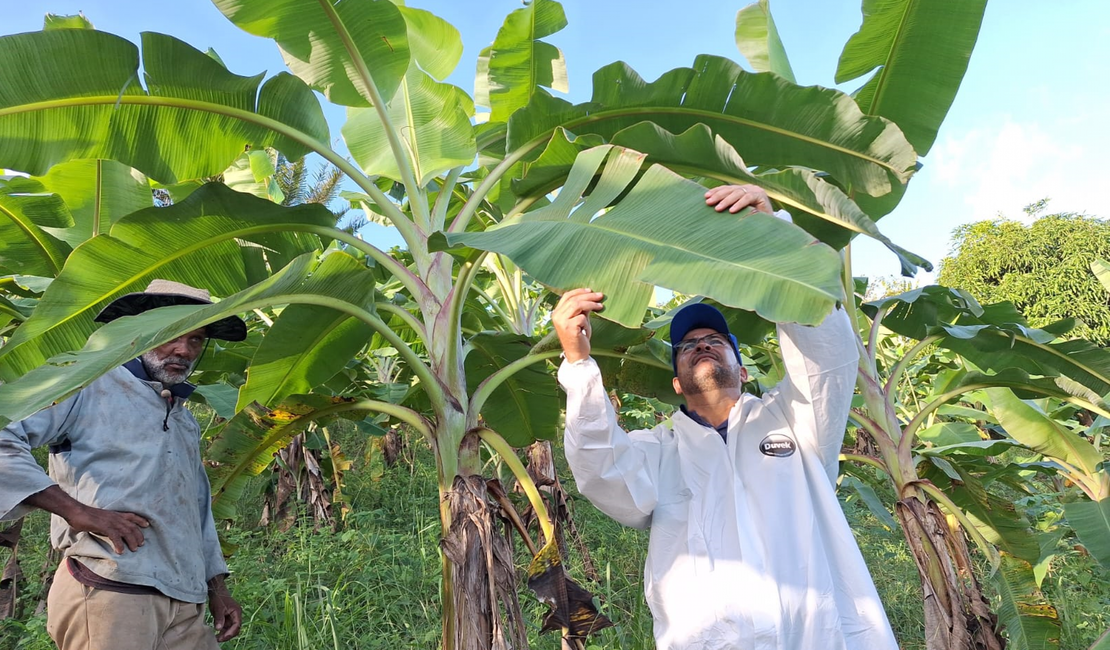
(998, 168)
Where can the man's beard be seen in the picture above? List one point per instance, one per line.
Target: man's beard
(719, 377)
(156, 368)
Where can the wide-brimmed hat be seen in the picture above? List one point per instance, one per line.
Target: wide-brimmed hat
(164, 293)
(694, 316)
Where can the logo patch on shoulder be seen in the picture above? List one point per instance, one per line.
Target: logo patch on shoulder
(777, 445)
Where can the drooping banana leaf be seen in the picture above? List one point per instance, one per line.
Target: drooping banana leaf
(525, 407)
(662, 233)
(1041, 433)
(126, 338)
(245, 445)
(1030, 621)
(1091, 521)
(196, 242)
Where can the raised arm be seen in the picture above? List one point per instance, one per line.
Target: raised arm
(617, 472)
(821, 366)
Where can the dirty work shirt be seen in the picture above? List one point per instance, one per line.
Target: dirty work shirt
(749, 547)
(109, 450)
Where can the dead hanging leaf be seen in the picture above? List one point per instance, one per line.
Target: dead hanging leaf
(482, 574)
(541, 467)
(572, 607)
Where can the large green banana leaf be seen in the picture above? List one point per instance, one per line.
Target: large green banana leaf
(308, 344)
(821, 208)
(1041, 433)
(98, 193)
(196, 242)
(434, 121)
(345, 50)
(512, 69)
(74, 93)
(28, 214)
(920, 51)
(1091, 521)
(768, 120)
(435, 44)
(525, 407)
(1030, 621)
(126, 338)
(662, 233)
(758, 40)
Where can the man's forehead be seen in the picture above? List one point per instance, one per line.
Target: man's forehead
(699, 332)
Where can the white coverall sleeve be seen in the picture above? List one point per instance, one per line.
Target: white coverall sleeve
(22, 476)
(618, 472)
(821, 368)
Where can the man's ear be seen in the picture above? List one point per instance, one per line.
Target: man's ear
(677, 387)
(743, 375)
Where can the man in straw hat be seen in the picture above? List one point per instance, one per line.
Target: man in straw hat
(130, 498)
(749, 546)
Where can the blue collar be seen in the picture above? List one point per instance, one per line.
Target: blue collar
(722, 428)
(182, 390)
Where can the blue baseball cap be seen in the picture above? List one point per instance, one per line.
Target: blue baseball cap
(695, 316)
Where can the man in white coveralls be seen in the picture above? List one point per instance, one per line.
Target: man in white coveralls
(749, 546)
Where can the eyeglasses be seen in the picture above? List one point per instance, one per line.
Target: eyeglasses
(712, 340)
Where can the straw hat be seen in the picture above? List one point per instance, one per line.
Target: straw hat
(164, 293)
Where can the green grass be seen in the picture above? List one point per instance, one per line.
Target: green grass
(375, 583)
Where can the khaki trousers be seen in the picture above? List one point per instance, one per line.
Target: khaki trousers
(83, 618)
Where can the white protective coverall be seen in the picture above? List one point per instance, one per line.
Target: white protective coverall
(749, 546)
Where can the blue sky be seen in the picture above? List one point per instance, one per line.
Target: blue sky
(1030, 120)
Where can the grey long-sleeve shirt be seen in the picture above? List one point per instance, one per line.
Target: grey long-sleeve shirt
(116, 456)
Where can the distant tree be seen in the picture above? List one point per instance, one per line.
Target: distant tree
(1043, 268)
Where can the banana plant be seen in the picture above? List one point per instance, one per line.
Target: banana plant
(627, 216)
(921, 441)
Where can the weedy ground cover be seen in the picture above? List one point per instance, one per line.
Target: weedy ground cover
(374, 583)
